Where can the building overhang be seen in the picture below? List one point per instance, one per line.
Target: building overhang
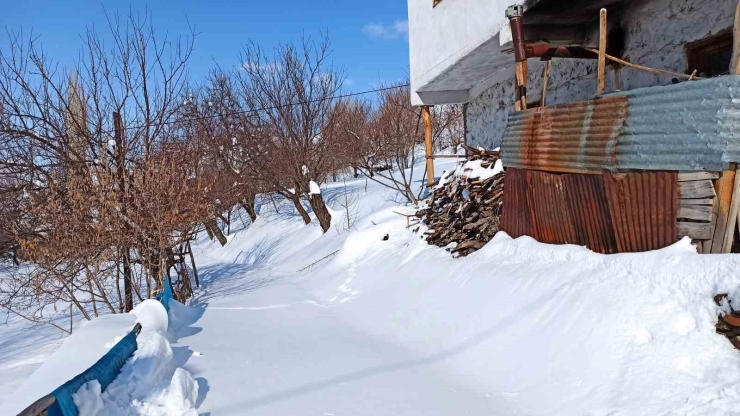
(464, 76)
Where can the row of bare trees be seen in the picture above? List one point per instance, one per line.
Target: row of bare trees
(108, 171)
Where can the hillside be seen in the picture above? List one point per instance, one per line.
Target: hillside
(381, 326)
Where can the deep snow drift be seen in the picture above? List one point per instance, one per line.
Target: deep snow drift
(398, 327)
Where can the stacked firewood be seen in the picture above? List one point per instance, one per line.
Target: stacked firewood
(464, 210)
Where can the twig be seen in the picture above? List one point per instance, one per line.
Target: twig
(318, 261)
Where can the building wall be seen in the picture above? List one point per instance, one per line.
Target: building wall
(441, 36)
(656, 32)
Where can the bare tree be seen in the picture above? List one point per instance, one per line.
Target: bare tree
(290, 95)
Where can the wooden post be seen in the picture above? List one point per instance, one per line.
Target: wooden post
(724, 186)
(735, 63)
(545, 79)
(734, 197)
(732, 216)
(521, 86)
(602, 53)
(427, 114)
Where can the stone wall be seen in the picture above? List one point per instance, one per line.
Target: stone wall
(656, 33)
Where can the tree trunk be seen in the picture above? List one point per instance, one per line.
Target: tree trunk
(127, 282)
(297, 202)
(192, 262)
(320, 210)
(212, 228)
(248, 205)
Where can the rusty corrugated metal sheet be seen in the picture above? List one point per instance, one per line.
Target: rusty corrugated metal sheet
(516, 216)
(551, 219)
(590, 212)
(608, 213)
(643, 207)
(690, 126)
(577, 137)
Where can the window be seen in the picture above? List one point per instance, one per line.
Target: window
(436, 2)
(710, 57)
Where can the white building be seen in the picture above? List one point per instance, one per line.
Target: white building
(458, 50)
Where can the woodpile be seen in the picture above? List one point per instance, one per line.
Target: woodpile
(465, 210)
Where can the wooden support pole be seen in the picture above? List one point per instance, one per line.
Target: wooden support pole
(732, 220)
(545, 79)
(521, 86)
(427, 114)
(734, 208)
(724, 187)
(735, 62)
(602, 53)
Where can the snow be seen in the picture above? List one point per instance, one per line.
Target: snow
(151, 383)
(314, 188)
(152, 316)
(399, 327)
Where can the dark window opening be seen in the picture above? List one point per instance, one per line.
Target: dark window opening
(710, 57)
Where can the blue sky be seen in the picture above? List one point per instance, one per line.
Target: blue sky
(369, 38)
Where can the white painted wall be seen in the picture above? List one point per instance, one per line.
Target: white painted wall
(441, 36)
(656, 34)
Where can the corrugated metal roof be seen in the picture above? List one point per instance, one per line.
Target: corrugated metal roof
(689, 126)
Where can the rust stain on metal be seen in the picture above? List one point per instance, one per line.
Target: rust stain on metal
(609, 213)
(643, 207)
(576, 137)
(516, 216)
(590, 212)
(550, 210)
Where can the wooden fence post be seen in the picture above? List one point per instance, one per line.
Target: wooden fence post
(602, 53)
(427, 114)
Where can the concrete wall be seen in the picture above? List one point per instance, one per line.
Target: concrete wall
(441, 36)
(656, 33)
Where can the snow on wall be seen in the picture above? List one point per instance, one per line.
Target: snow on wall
(656, 33)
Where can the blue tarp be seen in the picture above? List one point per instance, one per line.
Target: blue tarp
(166, 295)
(105, 371)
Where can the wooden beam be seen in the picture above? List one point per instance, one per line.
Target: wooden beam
(545, 79)
(427, 114)
(734, 209)
(521, 86)
(602, 53)
(724, 187)
(645, 68)
(735, 62)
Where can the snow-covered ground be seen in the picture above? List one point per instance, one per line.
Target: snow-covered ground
(397, 327)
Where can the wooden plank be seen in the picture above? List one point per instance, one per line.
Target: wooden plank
(724, 185)
(696, 189)
(734, 208)
(545, 79)
(695, 230)
(704, 201)
(696, 176)
(602, 53)
(707, 245)
(695, 212)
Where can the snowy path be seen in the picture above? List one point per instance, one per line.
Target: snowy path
(282, 351)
